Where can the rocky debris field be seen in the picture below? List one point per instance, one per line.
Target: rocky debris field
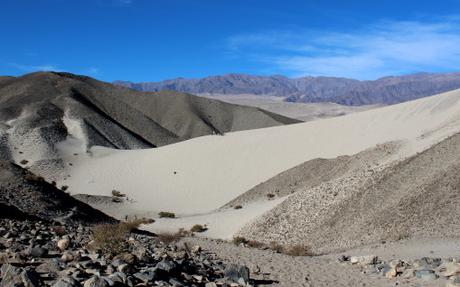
(39, 253)
(426, 268)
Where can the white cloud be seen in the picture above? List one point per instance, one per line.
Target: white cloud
(388, 47)
(34, 68)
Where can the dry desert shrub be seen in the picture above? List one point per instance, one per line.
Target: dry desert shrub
(275, 246)
(237, 207)
(166, 214)
(255, 244)
(110, 238)
(237, 240)
(298, 250)
(117, 193)
(198, 228)
(33, 177)
(170, 237)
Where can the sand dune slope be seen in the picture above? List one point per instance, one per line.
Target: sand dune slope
(415, 198)
(40, 110)
(202, 174)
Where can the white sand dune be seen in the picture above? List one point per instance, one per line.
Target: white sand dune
(200, 175)
(301, 111)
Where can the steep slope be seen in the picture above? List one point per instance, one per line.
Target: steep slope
(23, 195)
(387, 90)
(40, 110)
(415, 198)
(202, 174)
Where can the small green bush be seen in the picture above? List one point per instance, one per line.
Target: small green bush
(198, 228)
(166, 214)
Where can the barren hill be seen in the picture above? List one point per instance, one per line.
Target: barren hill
(40, 110)
(25, 195)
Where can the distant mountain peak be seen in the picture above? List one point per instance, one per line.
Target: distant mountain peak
(385, 90)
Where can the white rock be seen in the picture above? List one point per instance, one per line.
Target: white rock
(63, 244)
(450, 269)
(364, 260)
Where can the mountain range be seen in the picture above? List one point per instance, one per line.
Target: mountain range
(387, 90)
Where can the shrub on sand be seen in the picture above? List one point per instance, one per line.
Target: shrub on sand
(166, 214)
(117, 193)
(298, 250)
(198, 228)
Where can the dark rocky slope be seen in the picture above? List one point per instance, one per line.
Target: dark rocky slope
(24, 195)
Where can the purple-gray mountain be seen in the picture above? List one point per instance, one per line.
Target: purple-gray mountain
(387, 90)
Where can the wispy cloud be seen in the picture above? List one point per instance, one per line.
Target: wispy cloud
(34, 68)
(115, 2)
(92, 71)
(387, 47)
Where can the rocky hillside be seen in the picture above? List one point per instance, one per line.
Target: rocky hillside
(24, 195)
(387, 90)
(40, 110)
(414, 198)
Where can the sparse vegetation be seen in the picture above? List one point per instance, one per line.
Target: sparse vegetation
(116, 193)
(275, 246)
(24, 161)
(166, 214)
(255, 244)
(270, 195)
(64, 187)
(237, 240)
(198, 228)
(110, 239)
(297, 250)
(33, 177)
(237, 207)
(168, 237)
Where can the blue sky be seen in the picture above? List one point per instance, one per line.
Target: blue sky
(150, 40)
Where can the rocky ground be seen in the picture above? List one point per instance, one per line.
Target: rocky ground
(39, 253)
(400, 264)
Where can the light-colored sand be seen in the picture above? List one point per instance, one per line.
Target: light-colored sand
(301, 111)
(222, 224)
(200, 175)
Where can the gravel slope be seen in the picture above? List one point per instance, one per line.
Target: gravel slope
(415, 198)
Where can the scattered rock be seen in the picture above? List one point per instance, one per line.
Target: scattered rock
(364, 260)
(66, 282)
(426, 275)
(237, 273)
(63, 244)
(96, 281)
(450, 269)
(38, 252)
